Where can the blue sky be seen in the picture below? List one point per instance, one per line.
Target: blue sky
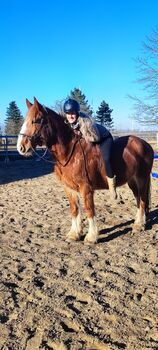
(49, 47)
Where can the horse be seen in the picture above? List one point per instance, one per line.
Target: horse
(80, 167)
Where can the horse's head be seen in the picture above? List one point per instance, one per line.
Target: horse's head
(33, 130)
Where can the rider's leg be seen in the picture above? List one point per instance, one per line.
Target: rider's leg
(106, 151)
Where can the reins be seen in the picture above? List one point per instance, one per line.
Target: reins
(70, 155)
(57, 160)
(67, 161)
(85, 167)
(42, 157)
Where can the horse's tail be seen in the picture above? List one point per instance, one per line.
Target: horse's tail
(148, 197)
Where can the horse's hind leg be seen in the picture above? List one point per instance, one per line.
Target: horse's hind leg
(88, 195)
(140, 220)
(140, 190)
(144, 203)
(76, 226)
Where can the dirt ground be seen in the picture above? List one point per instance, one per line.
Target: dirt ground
(60, 295)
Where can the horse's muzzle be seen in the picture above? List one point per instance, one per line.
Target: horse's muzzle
(24, 148)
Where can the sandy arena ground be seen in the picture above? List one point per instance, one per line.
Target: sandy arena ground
(60, 295)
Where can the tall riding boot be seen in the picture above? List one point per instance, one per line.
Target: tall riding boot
(112, 187)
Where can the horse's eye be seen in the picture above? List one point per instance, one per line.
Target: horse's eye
(37, 121)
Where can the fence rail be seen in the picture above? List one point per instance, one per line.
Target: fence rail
(7, 146)
(146, 135)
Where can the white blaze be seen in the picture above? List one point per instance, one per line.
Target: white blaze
(20, 137)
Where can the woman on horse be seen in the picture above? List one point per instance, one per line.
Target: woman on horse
(92, 132)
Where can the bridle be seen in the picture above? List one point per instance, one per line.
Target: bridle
(37, 132)
(41, 122)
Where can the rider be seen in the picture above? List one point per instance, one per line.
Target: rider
(92, 132)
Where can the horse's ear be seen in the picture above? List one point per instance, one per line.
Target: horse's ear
(29, 104)
(36, 103)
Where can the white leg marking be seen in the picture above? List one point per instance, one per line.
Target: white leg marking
(76, 223)
(140, 216)
(76, 227)
(92, 235)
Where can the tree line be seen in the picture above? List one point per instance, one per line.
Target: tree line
(14, 118)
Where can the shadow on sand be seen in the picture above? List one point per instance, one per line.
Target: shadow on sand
(23, 169)
(121, 230)
(152, 218)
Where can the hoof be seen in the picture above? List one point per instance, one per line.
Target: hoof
(69, 239)
(138, 228)
(72, 237)
(90, 240)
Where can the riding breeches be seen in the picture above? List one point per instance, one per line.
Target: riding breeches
(106, 147)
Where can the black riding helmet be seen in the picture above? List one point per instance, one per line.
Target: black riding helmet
(71, 106)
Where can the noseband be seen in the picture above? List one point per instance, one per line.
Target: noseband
(36, 133)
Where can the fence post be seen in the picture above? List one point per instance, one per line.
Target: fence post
(6, 160)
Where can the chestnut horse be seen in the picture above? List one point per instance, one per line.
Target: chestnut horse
(80, 166)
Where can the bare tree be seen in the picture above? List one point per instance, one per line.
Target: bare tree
(58, 107)
(146, 109)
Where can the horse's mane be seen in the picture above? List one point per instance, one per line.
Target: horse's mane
(54, 113)
(58, 122)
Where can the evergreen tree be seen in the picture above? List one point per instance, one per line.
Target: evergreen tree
(14, 119)
(103, 115)
(77, 95)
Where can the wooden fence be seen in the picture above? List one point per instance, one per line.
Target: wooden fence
(8, 148)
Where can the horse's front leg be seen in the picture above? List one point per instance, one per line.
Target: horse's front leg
(76, 227)
(88, 197)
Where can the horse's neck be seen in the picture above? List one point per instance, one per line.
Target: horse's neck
(63, 144)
